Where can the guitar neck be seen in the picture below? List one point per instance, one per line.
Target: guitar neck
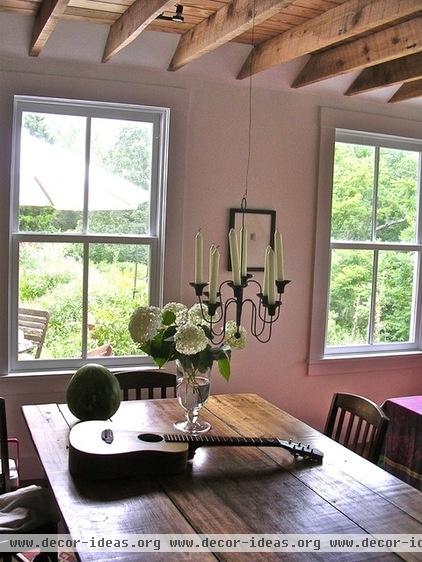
(226, 441)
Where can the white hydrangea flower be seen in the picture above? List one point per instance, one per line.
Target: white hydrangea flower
(144, 323)
(198, 317)
(190, 339)
(231, 339)
(179, 310)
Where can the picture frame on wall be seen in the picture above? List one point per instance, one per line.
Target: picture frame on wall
(260, 225)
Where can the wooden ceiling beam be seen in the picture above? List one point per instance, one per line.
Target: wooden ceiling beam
(391, 43)
(131, 23)
(46, 20)
(228, 22)
(389, 73)
(407, 92)
(338, 24)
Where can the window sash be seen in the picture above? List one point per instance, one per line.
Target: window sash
(321, 310)
(159, 117)
(414, 327)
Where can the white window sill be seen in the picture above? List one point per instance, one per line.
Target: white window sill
(350, 364)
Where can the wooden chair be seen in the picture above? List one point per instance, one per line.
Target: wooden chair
(46, 524)
(103, 351)
(358, 424)
(150, 380)
(34, 324)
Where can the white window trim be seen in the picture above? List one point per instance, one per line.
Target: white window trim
(332, 121)
(160, 118)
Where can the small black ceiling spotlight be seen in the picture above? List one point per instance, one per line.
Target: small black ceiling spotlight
(177, 17)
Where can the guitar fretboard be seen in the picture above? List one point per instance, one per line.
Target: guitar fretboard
(222, 440)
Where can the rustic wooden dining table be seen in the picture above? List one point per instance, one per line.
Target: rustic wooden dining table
(228, 490)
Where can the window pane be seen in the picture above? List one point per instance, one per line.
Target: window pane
(350, 297)
(52, 172)
(352, 192)
(118, 283)
(397, 195)
(120, 176)
(395, 288)
(50, 280)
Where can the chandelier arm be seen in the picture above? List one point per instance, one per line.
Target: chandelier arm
(277, 316)
(221, 334)
(226, 282)
(253, 317)
(267, 339)
(265, 323)
(250, 280)
(261, 317)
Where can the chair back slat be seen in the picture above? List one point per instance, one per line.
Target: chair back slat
(340, 425)
(149, 380)
(355, 443)
(364, 439)
(363, 414)
(352, 418)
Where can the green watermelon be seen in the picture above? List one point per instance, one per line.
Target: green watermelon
(93, 393)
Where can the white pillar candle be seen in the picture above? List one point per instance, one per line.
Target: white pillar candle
(234, 254)
(199, 263)
(214, 270)
(278, 247)
(244, 251)
(271, 277)
(265, 280)
(212, 248)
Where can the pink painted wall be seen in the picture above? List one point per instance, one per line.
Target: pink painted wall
(283, 177)
(206, 178)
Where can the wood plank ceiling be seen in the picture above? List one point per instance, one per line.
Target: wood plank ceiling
(381, 38)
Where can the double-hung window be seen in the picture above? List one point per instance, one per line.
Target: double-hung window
(367, 293)
(87, 228)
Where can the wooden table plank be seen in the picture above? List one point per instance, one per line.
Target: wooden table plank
(284, 425)
(344, 480)
(242, 490)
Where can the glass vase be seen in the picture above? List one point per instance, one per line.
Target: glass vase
(192, 391)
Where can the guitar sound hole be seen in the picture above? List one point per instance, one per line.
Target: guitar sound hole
(150, 437)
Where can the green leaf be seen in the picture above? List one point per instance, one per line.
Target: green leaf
(207, 331)
(168, 318)
(146, 348)
(160, 361)
(224, 367)
(169, 332)
(205, 359)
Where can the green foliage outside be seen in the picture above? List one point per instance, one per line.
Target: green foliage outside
(352, 270)
(50, 274)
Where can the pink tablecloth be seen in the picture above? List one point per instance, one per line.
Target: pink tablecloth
(403, 442)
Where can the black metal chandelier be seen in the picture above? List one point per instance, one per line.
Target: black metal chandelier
(264, 311)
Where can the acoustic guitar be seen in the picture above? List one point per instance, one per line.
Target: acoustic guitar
(99, 450)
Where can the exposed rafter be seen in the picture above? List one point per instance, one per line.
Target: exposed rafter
(131, 23)
(389, 73)
(408, 91)
(342, 22)
(391, 43)
(46, 20)
(228, 22)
